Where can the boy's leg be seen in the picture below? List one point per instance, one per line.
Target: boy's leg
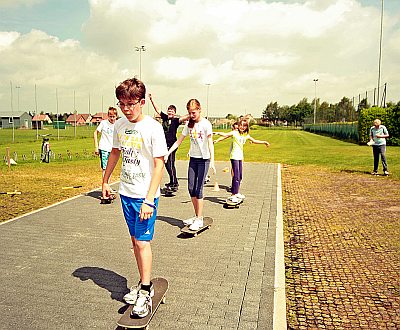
(144, 259)
(168, 167)
(173, 169)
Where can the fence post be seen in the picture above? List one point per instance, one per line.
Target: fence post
(8, 157)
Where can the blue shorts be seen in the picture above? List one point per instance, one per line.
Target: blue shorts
(141, 230)
(103, 158)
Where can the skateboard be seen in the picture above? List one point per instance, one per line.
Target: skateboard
(168, 192)
(207, 222)
(229, 205)
(108, 200)
(160, 290)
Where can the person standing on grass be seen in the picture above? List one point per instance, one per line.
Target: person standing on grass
(106, 129)
(170, 124)
(201, 153)
(141, 141)
(239, 138)
(378, 134)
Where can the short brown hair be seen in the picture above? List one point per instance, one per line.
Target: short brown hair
(131, 89)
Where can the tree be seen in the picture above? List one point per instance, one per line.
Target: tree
(345, 109)
(270, 112)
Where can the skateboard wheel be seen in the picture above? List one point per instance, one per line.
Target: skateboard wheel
(163, 300)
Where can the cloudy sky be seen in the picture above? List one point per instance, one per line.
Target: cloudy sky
(250, 52)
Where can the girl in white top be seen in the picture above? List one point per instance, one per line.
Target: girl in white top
(239, 138)
(106, 129)
(201, 153)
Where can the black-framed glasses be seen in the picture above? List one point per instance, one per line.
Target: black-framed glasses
(130, 106)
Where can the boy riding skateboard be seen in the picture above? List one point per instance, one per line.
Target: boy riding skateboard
(141, 141)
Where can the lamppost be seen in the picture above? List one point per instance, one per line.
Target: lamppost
(140, 49)
(380, 53)
(208, 88)
(315, 98)
(12, 111)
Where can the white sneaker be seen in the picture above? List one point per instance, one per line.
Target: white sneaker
(197, 224)
(142, 305)
(130, 297)
(234, 199)
(189, 221)
(240, 196)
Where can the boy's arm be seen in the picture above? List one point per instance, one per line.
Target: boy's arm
(147, 208)
(96, 144)
(111, 163)
(154, 106)
(183, 118)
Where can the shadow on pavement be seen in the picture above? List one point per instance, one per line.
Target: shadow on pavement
(172, 221)
(106, 279)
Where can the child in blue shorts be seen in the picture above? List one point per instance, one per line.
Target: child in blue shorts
(106, 129)
(140, 140)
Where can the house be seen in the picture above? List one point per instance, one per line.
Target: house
(38, 121)
(21, 119)
(87, 117)
(98, 117)
(76, 119)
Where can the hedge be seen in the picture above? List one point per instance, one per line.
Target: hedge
(390, 117)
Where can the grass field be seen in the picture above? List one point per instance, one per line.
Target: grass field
(41, 184)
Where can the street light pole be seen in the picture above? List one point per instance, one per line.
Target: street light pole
(380, 54)
(208, 88)
(315, 98)
(12, 111)
(140, 49)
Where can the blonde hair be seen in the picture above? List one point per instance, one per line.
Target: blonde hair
(377, 122)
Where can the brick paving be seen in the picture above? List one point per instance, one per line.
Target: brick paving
(68, 266)
(342, 249)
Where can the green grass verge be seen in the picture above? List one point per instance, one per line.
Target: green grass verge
(295, 147)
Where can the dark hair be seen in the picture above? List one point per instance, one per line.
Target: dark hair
(192, 104)
(131, 89)
(112, 109)
(172, 107)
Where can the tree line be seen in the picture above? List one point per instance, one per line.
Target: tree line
(303, 112)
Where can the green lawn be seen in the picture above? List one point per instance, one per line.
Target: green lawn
(294, 147)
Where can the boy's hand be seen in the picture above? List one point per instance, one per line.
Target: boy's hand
(96, 151)
(105, 190)
(146, 212)
(266, 144)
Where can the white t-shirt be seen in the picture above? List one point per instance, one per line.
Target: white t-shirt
(139, 143)
(199, 138)
(106, 129)
(238, 141)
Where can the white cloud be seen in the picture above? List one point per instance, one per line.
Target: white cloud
(251, 52)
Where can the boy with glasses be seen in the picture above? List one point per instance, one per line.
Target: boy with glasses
(141, 141)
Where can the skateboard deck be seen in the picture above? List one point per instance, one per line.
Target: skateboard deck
(230, 205)
(160, 289)
(207, 222)
(108, 200)
(168, 192)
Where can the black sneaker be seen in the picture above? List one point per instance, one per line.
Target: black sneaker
(374, 173)
(386, 173)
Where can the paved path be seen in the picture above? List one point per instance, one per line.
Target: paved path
(69, 265)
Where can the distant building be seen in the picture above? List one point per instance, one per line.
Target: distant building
(77, 119)
(98, 117)
(39, 120)
(21, 120)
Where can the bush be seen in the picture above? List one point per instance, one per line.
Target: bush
(390, 117)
